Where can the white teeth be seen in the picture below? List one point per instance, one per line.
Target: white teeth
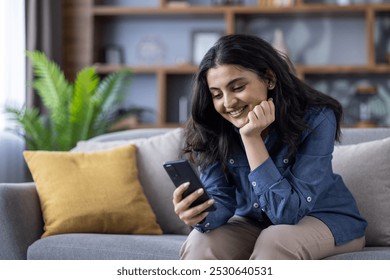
(236, 112)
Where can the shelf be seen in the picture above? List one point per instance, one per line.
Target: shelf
(86, 39)
(191, 69)
(337, 69)
(176, 69)
(200, 10)
(123, 11)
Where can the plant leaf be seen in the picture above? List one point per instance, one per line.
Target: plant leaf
(35, 132)
(81, 108)
(56, 94)
(108, 98)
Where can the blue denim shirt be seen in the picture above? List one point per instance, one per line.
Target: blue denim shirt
(286, 190)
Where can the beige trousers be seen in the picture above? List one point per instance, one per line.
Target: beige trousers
(243, 239)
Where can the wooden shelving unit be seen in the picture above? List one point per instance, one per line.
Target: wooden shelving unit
(83, 19)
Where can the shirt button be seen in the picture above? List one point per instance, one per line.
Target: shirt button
(231, 161)
(207, 225)
(285, 161)
(255, 205)
(308, 199)
(254, 184)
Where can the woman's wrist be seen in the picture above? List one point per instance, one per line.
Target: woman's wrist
(256, 150)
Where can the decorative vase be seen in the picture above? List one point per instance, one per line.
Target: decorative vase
(366, 108)
(279, 42)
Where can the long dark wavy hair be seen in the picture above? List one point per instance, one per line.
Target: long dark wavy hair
(209, 137)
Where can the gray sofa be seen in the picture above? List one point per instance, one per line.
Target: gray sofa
(362, 159)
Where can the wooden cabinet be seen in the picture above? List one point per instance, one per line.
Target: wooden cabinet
(328, 43)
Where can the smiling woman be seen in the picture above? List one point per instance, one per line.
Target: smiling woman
(263, 142)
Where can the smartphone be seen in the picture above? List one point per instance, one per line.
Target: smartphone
(182, 171)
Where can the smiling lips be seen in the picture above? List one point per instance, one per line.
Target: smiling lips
(237, 112)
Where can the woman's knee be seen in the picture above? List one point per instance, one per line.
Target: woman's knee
(306, 240)
(206, 246)
(276, 242)
(232, 241)
(196, 247)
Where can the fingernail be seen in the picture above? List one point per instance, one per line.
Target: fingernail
(271, 99)
(200, 190)
(186, 185)
(210, 201)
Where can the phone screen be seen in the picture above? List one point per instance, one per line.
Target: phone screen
(181, 171)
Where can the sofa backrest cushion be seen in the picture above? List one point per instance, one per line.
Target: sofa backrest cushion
(365, 168)
(353, 135)
(151, 154)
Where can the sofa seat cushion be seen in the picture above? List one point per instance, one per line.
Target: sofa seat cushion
(86, 246)
(368, 253)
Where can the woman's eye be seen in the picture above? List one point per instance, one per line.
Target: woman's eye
(239, 88)
(217, 96)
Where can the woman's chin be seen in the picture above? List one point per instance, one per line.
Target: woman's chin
(240, 123)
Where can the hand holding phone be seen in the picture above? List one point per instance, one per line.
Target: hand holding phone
(180, 172)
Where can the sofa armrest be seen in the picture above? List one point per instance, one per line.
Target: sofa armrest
(21, 220)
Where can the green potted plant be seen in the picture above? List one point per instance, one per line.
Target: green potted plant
(75, 112)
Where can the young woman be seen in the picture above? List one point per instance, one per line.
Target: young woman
(263, 141)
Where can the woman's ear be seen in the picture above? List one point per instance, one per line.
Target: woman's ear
(271, 79)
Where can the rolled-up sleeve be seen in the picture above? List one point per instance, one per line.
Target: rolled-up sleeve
(223, 193)
(287, 196)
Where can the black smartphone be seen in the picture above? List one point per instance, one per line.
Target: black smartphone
(182, 171)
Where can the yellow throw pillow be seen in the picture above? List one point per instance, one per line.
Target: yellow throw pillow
(97, 192)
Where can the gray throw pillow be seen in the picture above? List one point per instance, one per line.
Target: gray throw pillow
(365, 169)
(151, 154)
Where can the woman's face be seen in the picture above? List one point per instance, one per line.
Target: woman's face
(235, 92)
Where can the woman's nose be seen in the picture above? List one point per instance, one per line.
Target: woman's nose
(229, 101)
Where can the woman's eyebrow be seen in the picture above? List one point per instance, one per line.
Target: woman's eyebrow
(230, 82)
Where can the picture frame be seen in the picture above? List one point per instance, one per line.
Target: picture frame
(202, 41)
